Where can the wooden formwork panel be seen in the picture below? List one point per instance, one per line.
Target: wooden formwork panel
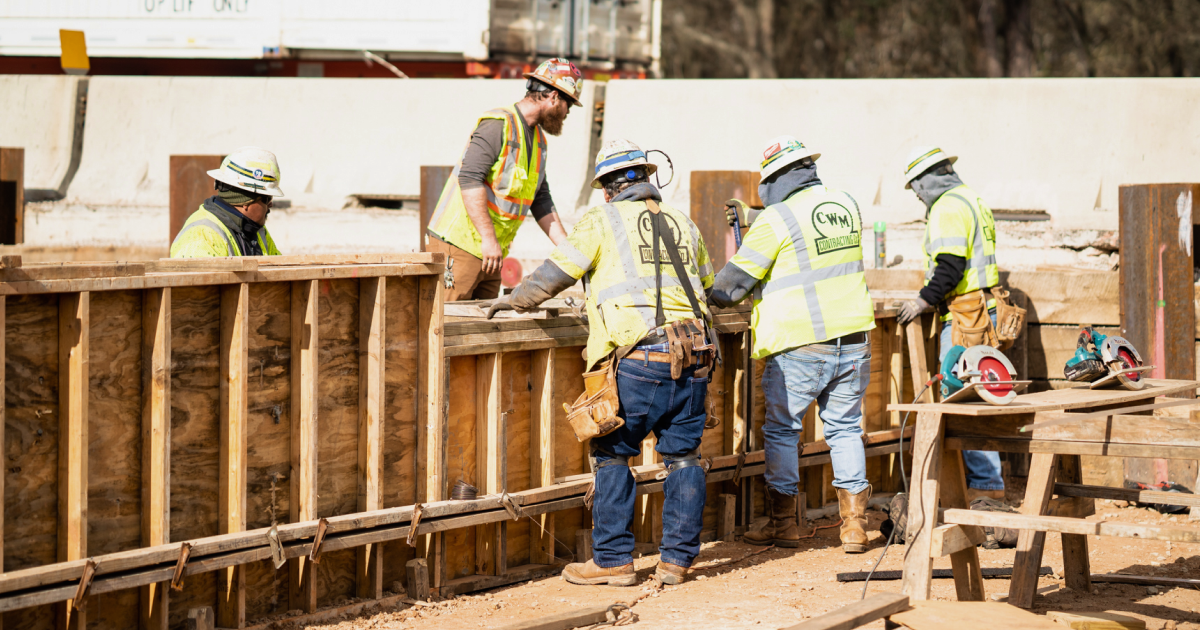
(166, 409)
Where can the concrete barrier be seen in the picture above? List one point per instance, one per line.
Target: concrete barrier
(37, 113)
(1062, 146)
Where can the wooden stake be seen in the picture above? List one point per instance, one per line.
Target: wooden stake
(541, 449)
(235, 335)
(305, 374)
(418, 579)
(372, 364)
(156, 443)
(74, 322)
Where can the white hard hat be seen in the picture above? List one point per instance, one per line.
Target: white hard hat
(617, 155)
(782, 151)
(922, 159)
(252, 169)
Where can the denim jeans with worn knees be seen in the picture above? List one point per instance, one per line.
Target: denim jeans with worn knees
(674, 410)
(983, 467)
(836, 377)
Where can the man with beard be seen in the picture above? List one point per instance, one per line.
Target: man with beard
(501, 178)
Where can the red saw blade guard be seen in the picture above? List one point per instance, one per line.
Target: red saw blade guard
(1128, 361)
(993, 370)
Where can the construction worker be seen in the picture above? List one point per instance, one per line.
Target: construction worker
(661, 343)
(233, 222)
(802, 262)
(960, 259)
(500, 179)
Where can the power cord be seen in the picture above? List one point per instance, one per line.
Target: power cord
(903, 480)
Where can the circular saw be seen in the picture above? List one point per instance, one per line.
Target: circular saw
(1104, 361)
(979, 373)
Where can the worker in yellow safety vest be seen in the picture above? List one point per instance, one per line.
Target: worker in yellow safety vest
(802, 263)
(500, 179)
(233, 222)
(960, 270)
(645, 269)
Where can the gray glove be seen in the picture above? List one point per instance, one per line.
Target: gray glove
(502, 303)
(911, 310)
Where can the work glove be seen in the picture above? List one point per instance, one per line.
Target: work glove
(502, 303)
(911, 310)
(737, 212)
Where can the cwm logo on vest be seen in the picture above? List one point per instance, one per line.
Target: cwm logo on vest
(837, 226)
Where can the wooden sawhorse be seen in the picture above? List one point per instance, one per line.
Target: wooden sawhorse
(944, 430)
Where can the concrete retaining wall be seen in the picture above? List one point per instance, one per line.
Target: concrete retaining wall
(1058, 145)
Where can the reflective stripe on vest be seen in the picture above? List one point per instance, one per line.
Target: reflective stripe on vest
(807, 276)
(512, 184)
(978, 260)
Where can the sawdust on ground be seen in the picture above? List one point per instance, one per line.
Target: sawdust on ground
(782, 587)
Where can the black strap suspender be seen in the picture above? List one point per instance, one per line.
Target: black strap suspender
(659, 230)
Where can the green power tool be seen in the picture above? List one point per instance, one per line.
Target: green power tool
(1103, 359)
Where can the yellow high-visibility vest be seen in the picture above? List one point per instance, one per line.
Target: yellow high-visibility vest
(204, 236)
(960, 224)
(806, 253)
(511, 186)
(612, 249)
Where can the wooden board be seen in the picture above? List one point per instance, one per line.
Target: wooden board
(942, 615)
(1057, 400)
(190, 185)
(709, 191)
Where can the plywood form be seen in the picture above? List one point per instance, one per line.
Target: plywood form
(179, 395)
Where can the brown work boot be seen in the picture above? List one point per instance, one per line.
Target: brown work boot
(670, 574)
(853, 508)
(973, 493)
(781, 530)
(587, 573)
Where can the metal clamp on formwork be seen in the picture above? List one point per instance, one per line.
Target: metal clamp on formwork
(509, 505)
(277, 557)
(412, 527)
(185, 552)
(315, 554)
(85, 581)
(737, 472)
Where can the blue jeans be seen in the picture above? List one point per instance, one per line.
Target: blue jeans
(837, 378)
(674, 409)
(983, 467)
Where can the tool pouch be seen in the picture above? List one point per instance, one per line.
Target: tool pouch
(1010, 319)
(594, 413)
(970, 323)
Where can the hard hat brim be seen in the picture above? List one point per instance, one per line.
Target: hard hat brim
(225, 177)
(543, 81)
(929, 163)
(651, 169)
(788, 160)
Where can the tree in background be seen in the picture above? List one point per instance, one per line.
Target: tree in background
(930, 38)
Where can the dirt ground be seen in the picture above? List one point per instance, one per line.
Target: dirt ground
(782, 587)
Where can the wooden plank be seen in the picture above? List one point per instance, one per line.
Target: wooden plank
(1024, 522)
(73, 345)
(372, 365)
(305, 375)
(968, 581)
(190, 185)
(235, 324)
(1118, 578)
(200, 265)
(727, 517)
(490, 460)
(948, 539)
(1123, 429)
(1076, 566)
(433, 413)
(1125, 494)
(156, 443)
(1030, 544)
(943, 615)
(1096, 620)
(563, 620)
(861, 613)
(1057, 400)
(917, 362)
(541, 447)
(418, 579)
(923, 504)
